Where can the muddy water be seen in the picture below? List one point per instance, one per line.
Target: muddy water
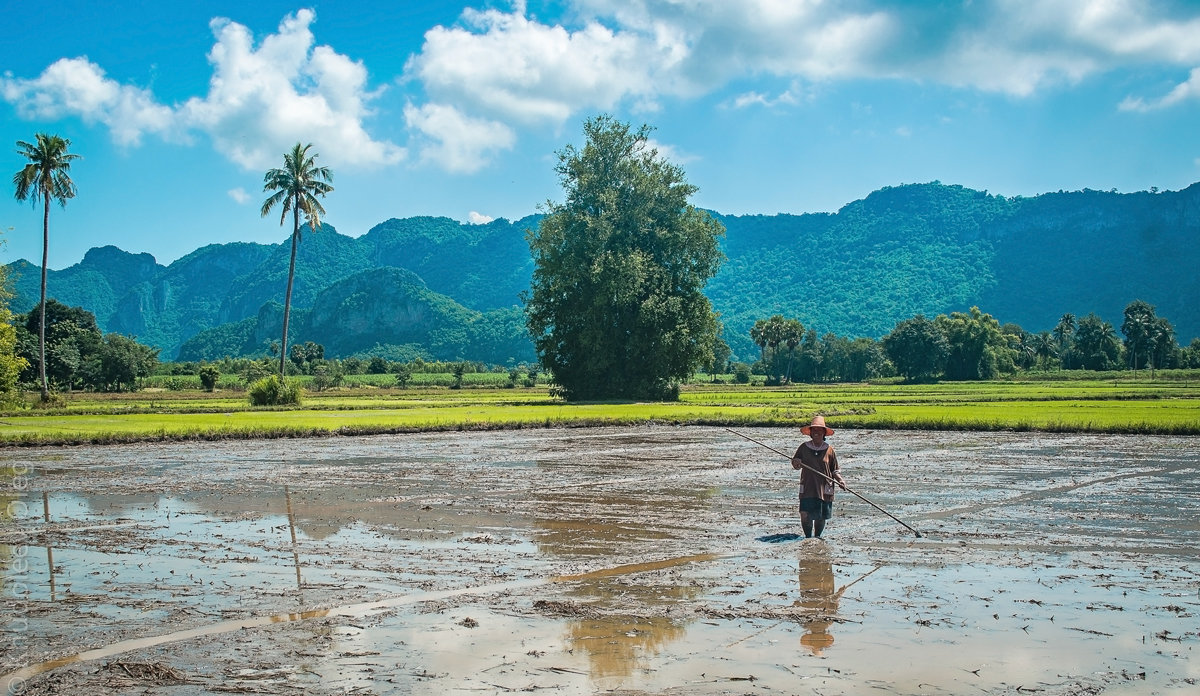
(601, 560)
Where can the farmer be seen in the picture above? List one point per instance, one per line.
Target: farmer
(818, 467)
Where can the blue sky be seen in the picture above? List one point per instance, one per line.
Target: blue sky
(456, 109)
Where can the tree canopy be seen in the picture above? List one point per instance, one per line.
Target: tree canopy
(616, 308)
(917, 348)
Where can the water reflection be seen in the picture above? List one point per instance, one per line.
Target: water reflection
(287, 494)
(617, 645)
(637, 523)
(818, 597)
(49, 551)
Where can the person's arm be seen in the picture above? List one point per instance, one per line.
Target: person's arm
(796, 461)
(837, 472)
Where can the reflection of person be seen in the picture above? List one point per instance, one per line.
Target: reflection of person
(814, 458)
(819, 598)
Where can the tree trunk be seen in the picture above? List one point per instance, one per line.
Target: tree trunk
(42, 323)
(287, 298)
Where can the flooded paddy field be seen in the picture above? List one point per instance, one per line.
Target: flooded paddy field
(602, 560)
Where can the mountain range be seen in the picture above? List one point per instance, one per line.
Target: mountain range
(439, 289)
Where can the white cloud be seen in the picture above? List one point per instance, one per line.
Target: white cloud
(479, 218)
(509, 66)
(78, 87)
(239, 194)
(1011, 46)
(261, 100)
(669, 153)
(789, 97)
(455, 141)
(1189, 89)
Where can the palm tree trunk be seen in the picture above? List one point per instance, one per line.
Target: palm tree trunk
(287, 298)
(42, 323)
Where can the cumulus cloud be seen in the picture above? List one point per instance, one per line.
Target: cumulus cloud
(78, 87)
(455, 141)
(479, 218)
(261, 100)
(507, 65)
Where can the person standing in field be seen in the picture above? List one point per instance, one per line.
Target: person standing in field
(818, 467)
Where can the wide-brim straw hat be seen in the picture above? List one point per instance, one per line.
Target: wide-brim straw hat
(817, 422)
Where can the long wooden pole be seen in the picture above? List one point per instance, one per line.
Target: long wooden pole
(831, 480)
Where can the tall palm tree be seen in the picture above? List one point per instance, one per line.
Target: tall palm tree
(46, 177)
(296, 188)
(1064, 331)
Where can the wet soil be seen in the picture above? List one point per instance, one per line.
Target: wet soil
(605, 560)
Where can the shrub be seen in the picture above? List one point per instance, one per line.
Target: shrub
(273, 391)
(208, 377)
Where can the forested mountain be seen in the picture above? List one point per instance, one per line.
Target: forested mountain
(904, 250)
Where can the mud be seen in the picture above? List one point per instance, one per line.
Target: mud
(604, 560)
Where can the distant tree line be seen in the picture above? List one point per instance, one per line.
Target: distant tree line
(969, 345)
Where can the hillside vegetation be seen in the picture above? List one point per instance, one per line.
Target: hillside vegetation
(901, 251)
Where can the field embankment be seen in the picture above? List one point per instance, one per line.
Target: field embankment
(1146, 406)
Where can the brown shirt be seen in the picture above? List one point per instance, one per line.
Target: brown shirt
(813, 485)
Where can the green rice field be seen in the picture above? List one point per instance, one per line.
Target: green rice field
(1160, 406)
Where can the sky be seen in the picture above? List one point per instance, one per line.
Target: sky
(457, 109)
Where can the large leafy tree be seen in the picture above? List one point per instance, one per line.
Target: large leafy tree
(616, 308)
(297, 185)
(72, 339)
(120, 362)
(46, 177)
(978, 348)
(917, 348)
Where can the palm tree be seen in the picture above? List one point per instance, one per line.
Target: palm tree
(296, 188)
(1097, 343)
(1063, 332)
(1044, 347)
(1138, 328)
(46, 177)
(793, 333)
(758, 334)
